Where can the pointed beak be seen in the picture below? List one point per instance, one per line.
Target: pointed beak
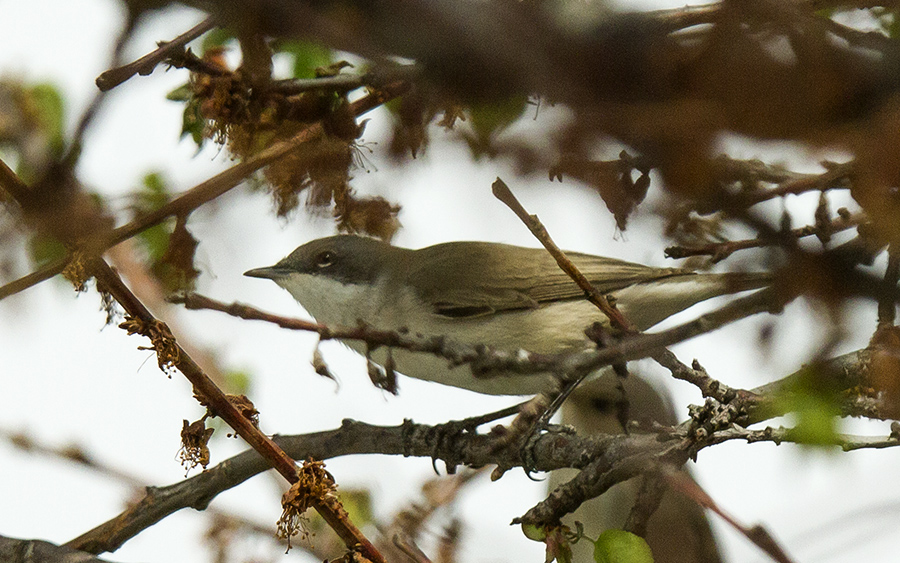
(270, 273)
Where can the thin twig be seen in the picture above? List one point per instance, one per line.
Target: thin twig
(409, 523)
(686, 16)
(502, 192)
(13, 185)
(145, 65)
(43, 273)
(756, 534)
(752, 172)
(485, 360)
(849, 373)
(721, 250)
(780, 435)
(828, 180)
(339, 83)
(346, 82)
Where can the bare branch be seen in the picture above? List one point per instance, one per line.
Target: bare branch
(484, 360)
(220, 404)
(346, 82)
(145, 65)
(721, 250)
(79, 456)
(14, 550)
(617, 319)
(476, 450)
(171, 354)
(833, 178)
(552, 450)
(847, 372)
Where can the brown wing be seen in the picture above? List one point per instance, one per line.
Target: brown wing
(499, 277)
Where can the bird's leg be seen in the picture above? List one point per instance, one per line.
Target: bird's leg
(453, 428)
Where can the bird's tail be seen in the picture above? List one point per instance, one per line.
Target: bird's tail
(745, 281)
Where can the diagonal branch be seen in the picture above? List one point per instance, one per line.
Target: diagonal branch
(78, 455)
(170, 353)
(616, 318)
(329, 508)
(652, 346)
(757, 534)
(145, 65)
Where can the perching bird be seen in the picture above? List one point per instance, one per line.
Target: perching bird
(503, 296)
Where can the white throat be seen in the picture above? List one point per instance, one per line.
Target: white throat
(331, 302)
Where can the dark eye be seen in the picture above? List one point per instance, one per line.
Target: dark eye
(325, 259)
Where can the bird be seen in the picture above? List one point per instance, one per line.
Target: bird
(482, 293)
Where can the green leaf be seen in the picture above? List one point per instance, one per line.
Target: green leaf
(358, 504)
(238, 382)
(155, 241)
(816, 419)
(193, 123)
(50, 113)
(619, 546)
(44, 249)
(534, 533)
(153, 194)
(489, 119)
(218, 37)
(307, 57)
(815, 402)
(176, 270)
(181, 94)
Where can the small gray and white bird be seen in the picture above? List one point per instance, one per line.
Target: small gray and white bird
(503, 296)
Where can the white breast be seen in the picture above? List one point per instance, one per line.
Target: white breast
(551, 328)
(543, 330)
